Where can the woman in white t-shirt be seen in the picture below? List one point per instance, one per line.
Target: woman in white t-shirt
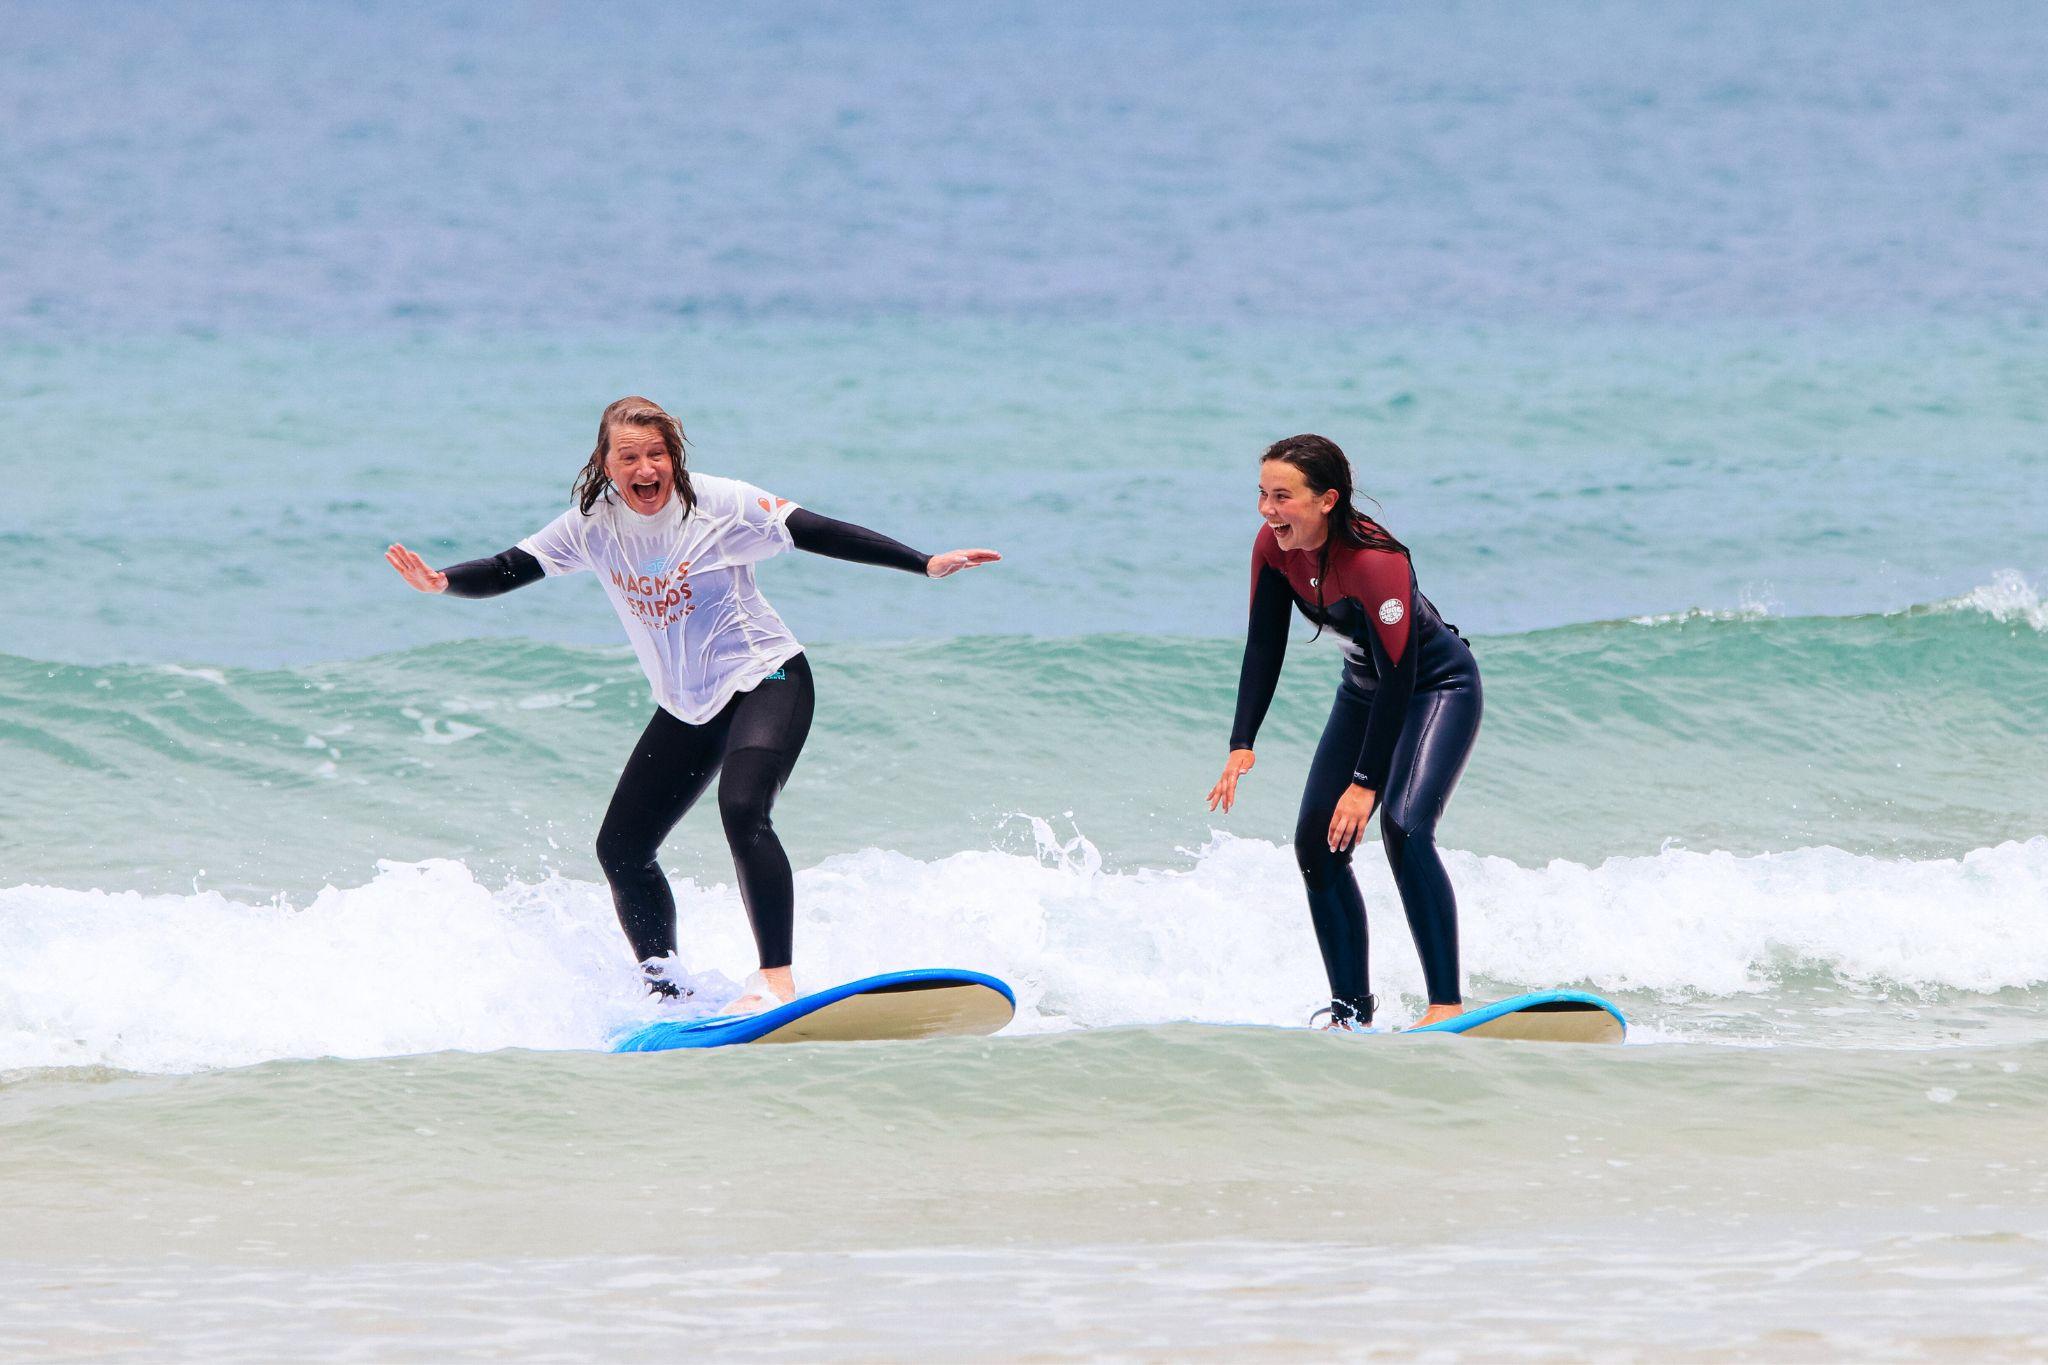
(675, 553)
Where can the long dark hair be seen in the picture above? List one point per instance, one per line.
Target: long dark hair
(1323, 467)
(594, 483)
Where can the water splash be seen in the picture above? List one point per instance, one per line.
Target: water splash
(2008, 599)
(425, 957)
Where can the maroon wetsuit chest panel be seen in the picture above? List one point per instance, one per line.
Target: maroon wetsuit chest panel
(1380, 581)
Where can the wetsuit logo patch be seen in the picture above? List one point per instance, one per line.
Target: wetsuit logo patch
(1391, 612)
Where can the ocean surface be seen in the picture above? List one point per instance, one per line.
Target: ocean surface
(1699, 351)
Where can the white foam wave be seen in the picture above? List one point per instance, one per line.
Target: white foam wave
(2008, 598)
(212, 675)
(1754, 603)
(424, 958)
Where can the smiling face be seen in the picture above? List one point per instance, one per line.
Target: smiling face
(1299, 516)
(639, 467)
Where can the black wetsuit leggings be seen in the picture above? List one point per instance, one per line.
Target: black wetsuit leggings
(756, 740)
(1436, 739)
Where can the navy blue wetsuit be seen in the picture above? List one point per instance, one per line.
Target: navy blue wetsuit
(750, 746)
(1406, 714)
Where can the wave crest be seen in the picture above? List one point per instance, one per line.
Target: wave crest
(2008, 599)
(425, 958)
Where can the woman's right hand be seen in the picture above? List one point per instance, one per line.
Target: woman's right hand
(414, 570)
(1225, 791)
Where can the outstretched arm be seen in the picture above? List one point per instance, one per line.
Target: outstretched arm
(843, 540)
(501, 573)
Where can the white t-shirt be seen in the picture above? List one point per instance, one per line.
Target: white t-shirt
(684, 587)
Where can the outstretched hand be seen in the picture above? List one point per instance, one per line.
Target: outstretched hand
(415, 571)
(1237, 765)
(953, 561)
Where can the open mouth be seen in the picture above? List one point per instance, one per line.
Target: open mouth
(646, 492)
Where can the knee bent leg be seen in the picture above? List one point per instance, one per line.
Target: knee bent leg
(748, 818)
(1312, 854)
(623, 851)
(1399, 826)
(1394, 839)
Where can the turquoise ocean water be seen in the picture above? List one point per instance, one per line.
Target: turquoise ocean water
(1700, 353)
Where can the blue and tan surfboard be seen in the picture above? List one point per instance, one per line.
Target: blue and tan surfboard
(929, 1003)
(1539, 1017)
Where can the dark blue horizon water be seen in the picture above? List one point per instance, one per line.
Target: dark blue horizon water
(293, 169)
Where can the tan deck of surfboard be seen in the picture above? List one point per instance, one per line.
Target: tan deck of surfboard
(954, 1010)
(1565, 1022)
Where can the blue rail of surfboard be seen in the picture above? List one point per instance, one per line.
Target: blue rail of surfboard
(1487, 1013)
(720, 1030)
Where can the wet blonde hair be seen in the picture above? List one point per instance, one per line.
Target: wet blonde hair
(594, 483)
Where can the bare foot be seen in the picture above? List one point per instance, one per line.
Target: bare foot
(1436, 1014)
(764, 990)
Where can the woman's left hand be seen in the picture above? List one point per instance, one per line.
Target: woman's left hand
(953, 561)
(1347, 824)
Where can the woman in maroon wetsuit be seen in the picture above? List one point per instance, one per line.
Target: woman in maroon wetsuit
(1406, 713)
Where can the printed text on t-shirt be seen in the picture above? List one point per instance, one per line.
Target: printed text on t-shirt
(657, 599)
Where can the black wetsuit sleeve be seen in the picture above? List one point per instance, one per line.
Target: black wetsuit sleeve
(843, 540)
(1389, 709)
(1265, 648)
(501, 573)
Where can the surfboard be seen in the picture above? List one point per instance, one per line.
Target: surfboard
(928, 1003)
(1540, 1017)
